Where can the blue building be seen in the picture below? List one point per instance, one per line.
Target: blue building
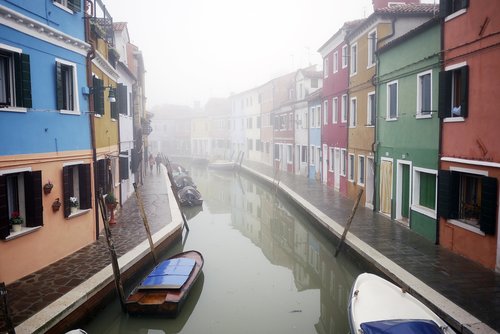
(45, 137)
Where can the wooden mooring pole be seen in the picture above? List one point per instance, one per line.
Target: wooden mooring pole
(112, 251)
(349, 221)
(145, 222)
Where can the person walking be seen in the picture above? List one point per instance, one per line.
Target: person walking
(158, 162)
(151, 163)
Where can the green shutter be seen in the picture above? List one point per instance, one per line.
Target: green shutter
(33, 198)
(114, 105)
(122, 99)
(98, 95)
(464, 91)
(448, 193)
(428, 190)
(22, 80)
(489, 197)
(85, 186)
(124, 167)
(75, 5)
(445, 94)
(101, 175)
(59, 87)
(4, 209)
(66, 190)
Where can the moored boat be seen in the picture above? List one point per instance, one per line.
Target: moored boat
(377, 306)
(222, 165)
(164, 291)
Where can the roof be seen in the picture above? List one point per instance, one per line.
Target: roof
(347, 26)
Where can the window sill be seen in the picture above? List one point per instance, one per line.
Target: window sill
(391, 119)
(369, 125)
(455, 14)
(24, 231)
(97, 115)
(78, 213)
(70, 112)
(423, 116)
(425, 211)
(466, 226)
(14, 109)
(453, 119)
(66, 9)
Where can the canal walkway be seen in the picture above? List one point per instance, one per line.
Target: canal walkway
(463, 292)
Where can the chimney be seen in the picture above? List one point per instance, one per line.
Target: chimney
(378, 4)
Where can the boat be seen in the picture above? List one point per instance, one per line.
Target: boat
(377, 306)
(182, 181)
(164, 291)
(222, 165)
(189, 196)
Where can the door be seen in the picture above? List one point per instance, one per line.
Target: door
(324, 174)
(370, 175)
(336, 168)
(405, 192)
(385, 186)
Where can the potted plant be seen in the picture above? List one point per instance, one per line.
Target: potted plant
(111, 204)
(47, 187)
(16, 221)
(73, 203)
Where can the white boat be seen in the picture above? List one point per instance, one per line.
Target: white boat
(377, 306)
(222, 165)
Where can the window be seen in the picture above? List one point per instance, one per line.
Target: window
(76, 183)
(15, 78)
(74, 5)
(448, 7)
(250, 144)
(351, 167)
(424, 94)
(353, 111)
(370, 109)
(343, 167)
(343, 108)
(311, 157)
(276, 151)
(313, 115)
(392, 100)
(335, 62)
(314, 82)
(335, 110)
(258, 122)
(454, 92)
(424, 191)
(290, 153)
(124, 165)
(303, 155)
(361, 169)
(98, 93)
(469, 198)
(325, 112)
(249, 122)
(325, 67)
(372, 47)
(354, 59)
(332, 159)
(66, 84)
(344, 56)
(20, 192)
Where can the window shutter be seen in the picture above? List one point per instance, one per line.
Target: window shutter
(4, 210)
(444, 8)
(101, 175)
(98, 95)
(59, 87)
(23, 80)
(445, 94)
(33, 198)
(66, 191)
(114, 106)
(124, 167)
(464, 91)
(85, 186)
(489, 197)
(122, 99)
(448, 193)
(75, 5)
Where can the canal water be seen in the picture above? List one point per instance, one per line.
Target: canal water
(267, 268)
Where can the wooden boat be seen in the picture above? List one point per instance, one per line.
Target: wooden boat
(377, 306)
(222, 165)
(164, 291)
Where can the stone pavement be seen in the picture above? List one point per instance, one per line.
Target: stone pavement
(34, 292)
(465, 283)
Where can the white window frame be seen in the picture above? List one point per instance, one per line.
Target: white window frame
(12, 79)
(343, 108)
(76, 102)
(371, 53)
(335, 62)
(353, 112)
(325, 112)
(370, 108)
(343, 162)
(419, 113)
(416, 192)
(345, 60)
(331, 154)
(335, 110)
(351, 165)
(388, 116)
(361, 165)
(353, 60)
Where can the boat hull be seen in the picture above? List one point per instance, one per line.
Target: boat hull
(165, 302)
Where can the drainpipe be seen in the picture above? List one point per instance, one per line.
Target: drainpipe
(440, 148)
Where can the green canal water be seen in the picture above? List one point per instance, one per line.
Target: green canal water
(267, 268)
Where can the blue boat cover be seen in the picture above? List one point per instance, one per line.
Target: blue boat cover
(398, 326)
(170, 274)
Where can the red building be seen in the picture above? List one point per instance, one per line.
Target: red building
(470, 150)
(335, 96)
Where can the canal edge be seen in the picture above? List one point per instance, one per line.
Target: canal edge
(460, 319)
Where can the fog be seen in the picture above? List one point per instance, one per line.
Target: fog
(197, 49)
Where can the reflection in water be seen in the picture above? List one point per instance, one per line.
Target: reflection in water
(267, 270)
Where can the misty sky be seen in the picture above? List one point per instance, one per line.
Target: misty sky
(197, 49)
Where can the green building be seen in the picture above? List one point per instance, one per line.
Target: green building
(407, 128)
